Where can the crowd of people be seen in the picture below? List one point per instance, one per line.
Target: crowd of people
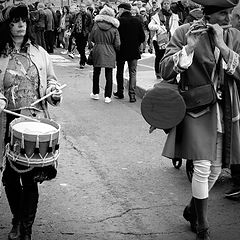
(117, 34)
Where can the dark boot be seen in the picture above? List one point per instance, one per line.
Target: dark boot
(29, 209)
(132, 98)
(189, 214)
(201, 206)
(13, 195)
(14, 234)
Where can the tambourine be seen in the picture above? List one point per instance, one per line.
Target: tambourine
(162, 106)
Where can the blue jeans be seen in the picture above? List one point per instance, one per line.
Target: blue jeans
(132, 68)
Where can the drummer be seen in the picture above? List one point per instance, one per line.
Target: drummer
(26, 75)
(206, 52)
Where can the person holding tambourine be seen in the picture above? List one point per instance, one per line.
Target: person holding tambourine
(26, 75)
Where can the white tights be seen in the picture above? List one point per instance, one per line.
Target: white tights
(206, 173)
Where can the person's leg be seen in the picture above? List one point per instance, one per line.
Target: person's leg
(81, 49)
(132, 67)
(29, 202)
(96, 75)
(158, 57)
(234, 192)
(109, 82)
(200, 194)
(13, 189)
(120, 80)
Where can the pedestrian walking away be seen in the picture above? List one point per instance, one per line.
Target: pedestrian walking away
(27, 75)
(106, 40)
(206, 55)
(131, 36)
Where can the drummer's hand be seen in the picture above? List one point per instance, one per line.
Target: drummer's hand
(2, 105)
(58, 93)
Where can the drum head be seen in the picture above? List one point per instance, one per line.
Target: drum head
(163, 107)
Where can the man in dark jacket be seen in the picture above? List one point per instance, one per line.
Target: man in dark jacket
(81, 29)
(131, 35)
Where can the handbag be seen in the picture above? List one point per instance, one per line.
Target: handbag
(199, 98)
(163, 39)
(90, 58)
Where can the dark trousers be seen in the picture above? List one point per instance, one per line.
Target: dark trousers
(22, 194)
(49, 40)
(158, 56)
(109, 81)
(81, 42)
(235, 173)
(40, 38)
(132, 68)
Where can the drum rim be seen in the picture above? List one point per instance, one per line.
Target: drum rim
(32, 137)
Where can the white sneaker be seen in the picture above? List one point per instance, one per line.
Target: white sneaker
(64, 52)
(94, 96)
(107, 100)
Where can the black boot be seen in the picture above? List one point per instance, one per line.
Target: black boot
(13, 194)
(29, 209)
(189, 214)
(14, 234)
(201, 206)
(132, 98)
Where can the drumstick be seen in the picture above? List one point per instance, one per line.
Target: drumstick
(205, 29)
(20, 115)
(48, 95)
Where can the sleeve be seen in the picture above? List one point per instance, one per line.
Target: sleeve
(172, 54)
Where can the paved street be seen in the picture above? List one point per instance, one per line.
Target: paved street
(112, 182)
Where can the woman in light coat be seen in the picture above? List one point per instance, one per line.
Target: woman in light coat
(164, 23)
(26, 75)
(106, 40)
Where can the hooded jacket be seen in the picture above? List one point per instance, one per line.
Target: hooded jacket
(106, 39)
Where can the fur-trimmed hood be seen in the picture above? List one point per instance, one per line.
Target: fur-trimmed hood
(105, 22)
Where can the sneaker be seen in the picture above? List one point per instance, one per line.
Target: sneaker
(107, 100)
(71, 55)
(94, 96)
(233, 192)
(64, 52)
(118, 95)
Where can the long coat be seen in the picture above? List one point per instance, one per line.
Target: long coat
(106, 39)
(47, 78)
(195, 138)
(131, 35)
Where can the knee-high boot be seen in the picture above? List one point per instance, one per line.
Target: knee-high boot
(189, 214)
(13, 194)
(29, 203)
(201, 206)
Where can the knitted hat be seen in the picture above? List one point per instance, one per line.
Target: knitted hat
(107, 11)
(125, 6)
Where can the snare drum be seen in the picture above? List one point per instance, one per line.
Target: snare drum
(33, 144)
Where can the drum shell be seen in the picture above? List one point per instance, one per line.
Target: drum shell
(43, 146)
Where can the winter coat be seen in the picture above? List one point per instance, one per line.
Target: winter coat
(47, 78)
(195, 137)
(106, 39)
(159, 27)
(131, 35)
